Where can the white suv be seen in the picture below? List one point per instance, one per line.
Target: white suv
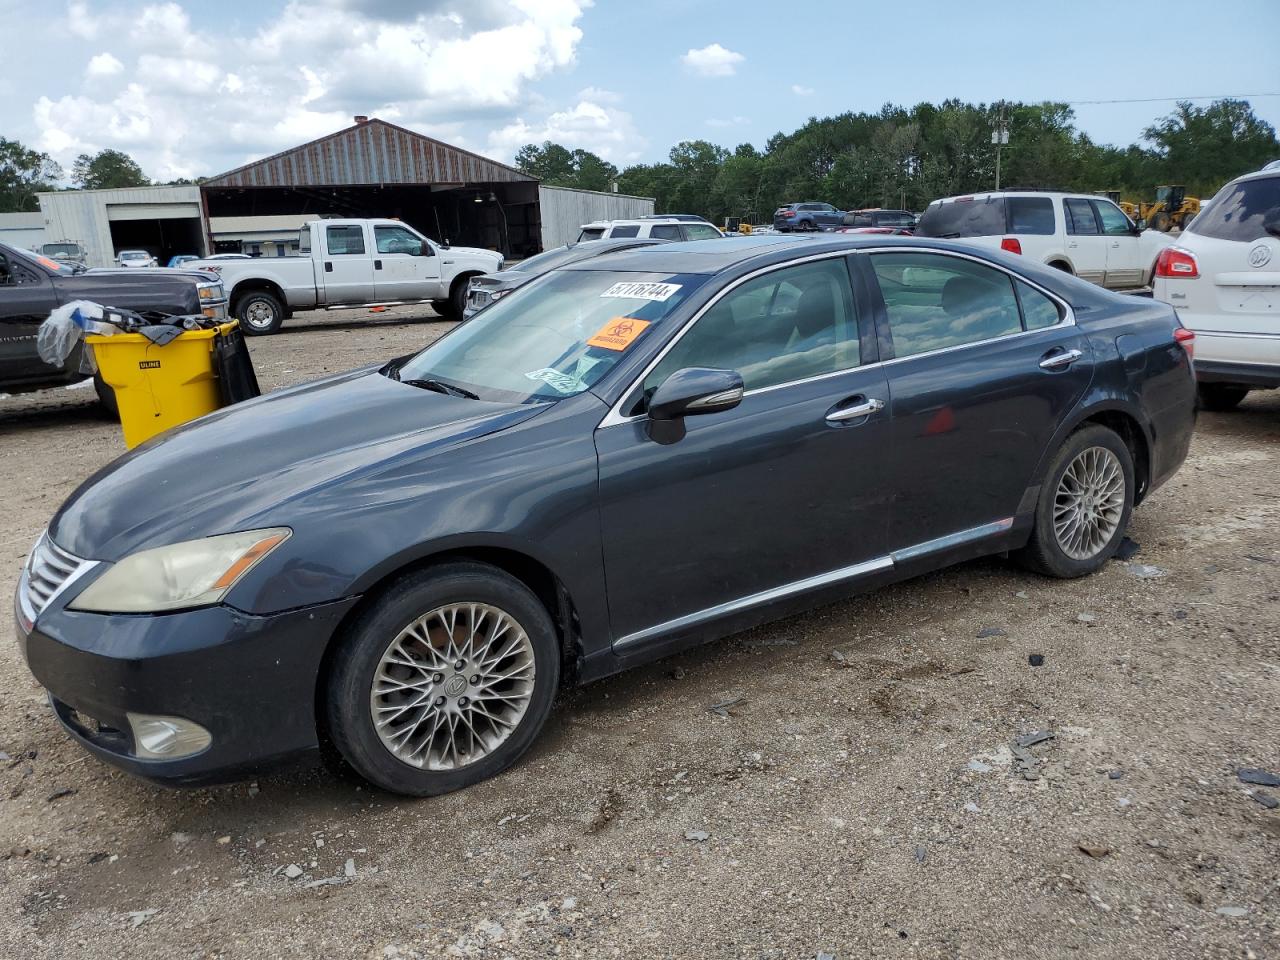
(1223, 279)
(1081, 234)
(659, 228)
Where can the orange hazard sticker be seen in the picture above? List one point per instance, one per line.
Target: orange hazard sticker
(618, 333)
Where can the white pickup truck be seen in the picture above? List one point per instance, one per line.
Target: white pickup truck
(348, 263)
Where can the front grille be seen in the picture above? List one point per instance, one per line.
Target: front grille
(48, 569)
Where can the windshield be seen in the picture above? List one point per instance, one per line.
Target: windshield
(59, 267)
(554, 338)
(134, 255)
(549, 260)
(60, 250)
(1244, 211)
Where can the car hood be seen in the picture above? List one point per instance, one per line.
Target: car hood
(470, 252)
(242, 467)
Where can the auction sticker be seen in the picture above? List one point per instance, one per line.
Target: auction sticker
(618, 333)
(561, 382)
(636, 290)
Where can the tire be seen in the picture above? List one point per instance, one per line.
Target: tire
(441, 307)
(106, 396)
(1221, 397)
(260, 313)
(1063, 266)
(1161, 222)
(1056, 554)
(424, 764)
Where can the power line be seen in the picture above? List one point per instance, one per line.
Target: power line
(1230, 96)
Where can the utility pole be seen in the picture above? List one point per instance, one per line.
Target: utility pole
(1000, 137)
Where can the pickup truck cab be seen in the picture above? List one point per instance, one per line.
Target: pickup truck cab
(350, 263)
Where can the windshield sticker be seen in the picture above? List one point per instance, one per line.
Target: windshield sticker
(562, 382)
(51, 264)
(633, 290)
(618, 333)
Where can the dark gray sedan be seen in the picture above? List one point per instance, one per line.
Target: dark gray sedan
(632, 454)
(491, 287)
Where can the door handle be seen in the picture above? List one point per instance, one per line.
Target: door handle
(1056, 361)
(1072, 245)
(863, 409)
(328, 266)
(377, 264)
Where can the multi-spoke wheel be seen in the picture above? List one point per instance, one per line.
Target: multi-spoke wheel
(444, 680)
(1084, 506)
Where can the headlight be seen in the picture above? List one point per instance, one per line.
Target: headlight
(190, 574)
(210, 291)
(498, 294)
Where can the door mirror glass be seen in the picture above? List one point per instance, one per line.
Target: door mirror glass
(691, 392)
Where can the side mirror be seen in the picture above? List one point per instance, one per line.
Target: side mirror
(687, 393)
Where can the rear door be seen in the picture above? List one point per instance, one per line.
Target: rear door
(984, 368)
(27, 296)
(1086, 246)
(405, 266)
(1124, 256)
(347, 264)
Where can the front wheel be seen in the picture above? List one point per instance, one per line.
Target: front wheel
(444, 681)
(1161, 222)
(1221, 397)
(260, 313)
(1084, 506)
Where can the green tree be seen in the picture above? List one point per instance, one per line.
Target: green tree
(107, 168)
(558, 166)
(1204, 146)
(23, 174)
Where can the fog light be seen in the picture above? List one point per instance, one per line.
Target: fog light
(166, 738)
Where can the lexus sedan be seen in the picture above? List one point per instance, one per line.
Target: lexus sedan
(631, 454)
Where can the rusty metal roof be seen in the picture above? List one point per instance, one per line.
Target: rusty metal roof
(371, 152)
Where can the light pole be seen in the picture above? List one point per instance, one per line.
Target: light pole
(1000, 137)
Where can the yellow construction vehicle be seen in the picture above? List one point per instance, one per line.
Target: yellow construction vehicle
(1172, 208)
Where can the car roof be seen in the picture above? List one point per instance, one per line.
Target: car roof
(631, 220)
(710, 256)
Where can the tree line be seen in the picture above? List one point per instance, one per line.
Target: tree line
(25, 172)
(904, 158)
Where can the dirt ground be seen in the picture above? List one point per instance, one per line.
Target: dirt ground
(860, 799)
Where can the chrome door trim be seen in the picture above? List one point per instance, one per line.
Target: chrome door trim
(875, 565)
(853, 413)
(1064, 359)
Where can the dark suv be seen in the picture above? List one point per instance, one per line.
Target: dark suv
(902, 219)
(807, 216)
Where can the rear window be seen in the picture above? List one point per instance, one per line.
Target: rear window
(629, 231)
(591, 233)
(963, 218)
(1031, 215)
(1242, 211)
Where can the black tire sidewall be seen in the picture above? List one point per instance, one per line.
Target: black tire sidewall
(1049, 556)
(1221, 397)
(276, 306)
(458, 297)
(351, 675)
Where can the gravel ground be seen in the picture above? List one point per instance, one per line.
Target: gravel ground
(860, 799)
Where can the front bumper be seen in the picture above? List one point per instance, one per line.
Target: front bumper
(250, 681)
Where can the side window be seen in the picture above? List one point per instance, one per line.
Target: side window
(1038, 311)
(344, 240)
(665, 231)
(1031, 216)
(700, 231)
(935, 301)
(1080, 219)
(791, 324)
(1114, 222)
(632, 230)
(396, 240)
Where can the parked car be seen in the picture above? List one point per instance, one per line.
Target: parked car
(685, 217)
(1085, 235)
(181, 258)
(349, 263)
(492, 287)
(657, 228)
(65, 251)
(899, 219)
(1223, 278)
(31, 286)
(891, 231)
(135, 258)
(807, 216)
(408, 561)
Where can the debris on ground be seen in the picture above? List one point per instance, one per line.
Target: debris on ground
(697, 836)
(1145, 571)
(64, 792)
(986, 632)
(1233, 911)
(977, 766)
(1266, 799)
(1258, 777)
(1036, 659)
(921, 854)
(349, 868)
(971, 807)
(1093, 850)
(721, 709)
(1031, 739)
(1115, 774)
(1086, 617)
(293, 871)
(138, 917)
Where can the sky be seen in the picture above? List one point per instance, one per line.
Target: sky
(195, 88)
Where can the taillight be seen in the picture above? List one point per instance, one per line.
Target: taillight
(1187, 340)
(1011, 245)
(788, 213)
(1175, 263)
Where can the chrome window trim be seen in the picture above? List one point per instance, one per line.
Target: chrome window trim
(615, 416)
(888, 561)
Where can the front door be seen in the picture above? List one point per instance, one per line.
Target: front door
(752, 503)
(26, 299)
(1086, 246)
(405, 266)
(985, 367)
(347, 271)
(1124, 266)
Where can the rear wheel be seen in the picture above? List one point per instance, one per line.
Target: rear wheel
(1221, 397)
(1084, 507)
(1161, 222)
(444, 681)
(259, 313)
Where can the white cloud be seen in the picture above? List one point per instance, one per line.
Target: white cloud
(605, 130)
(103, 65)
(801, 91)
(728, 121)
(713, 60)
(431, 65)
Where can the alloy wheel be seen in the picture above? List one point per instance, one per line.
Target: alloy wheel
(453, 686)
(259, 315)
(1089, 503)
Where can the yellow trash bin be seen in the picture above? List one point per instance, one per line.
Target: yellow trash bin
(159, 387)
